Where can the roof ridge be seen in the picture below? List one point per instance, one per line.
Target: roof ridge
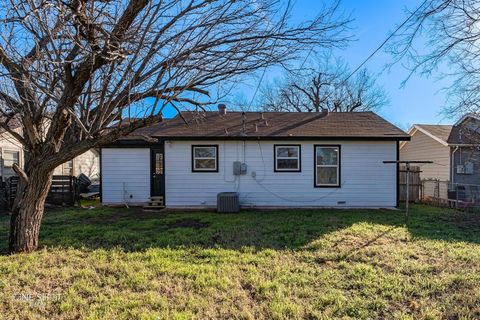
(286, 112)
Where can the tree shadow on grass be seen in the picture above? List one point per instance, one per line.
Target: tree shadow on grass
(135, 230)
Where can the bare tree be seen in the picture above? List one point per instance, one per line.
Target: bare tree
(324, 86)
(73, 70)
(444, 36)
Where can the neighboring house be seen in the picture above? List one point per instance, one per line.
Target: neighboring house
(11, 151)
(271, 159)
(455, 150)
(464, 142)
(429, 143)
(87, 163)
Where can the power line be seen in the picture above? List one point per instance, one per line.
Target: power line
(386, 40)
(390, 36)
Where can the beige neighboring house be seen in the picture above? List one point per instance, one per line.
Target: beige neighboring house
(11, 152)
(429, 143)
(87, 163)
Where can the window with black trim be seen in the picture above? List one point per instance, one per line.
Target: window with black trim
(327, 165)
(287, 158)
(205, 158)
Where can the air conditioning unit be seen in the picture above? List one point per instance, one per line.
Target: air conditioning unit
(228, 202)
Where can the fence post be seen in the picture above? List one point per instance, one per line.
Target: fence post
(422, 186)
(408, 191)
(456, 196)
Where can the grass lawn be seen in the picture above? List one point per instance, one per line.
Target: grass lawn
(126, 264)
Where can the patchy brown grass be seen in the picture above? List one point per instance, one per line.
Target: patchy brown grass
(126, 264)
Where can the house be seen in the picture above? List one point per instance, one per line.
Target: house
(11, 151)
(464, 142)
(271, 159)
(87, 163)
(453, 149)
(429, 143)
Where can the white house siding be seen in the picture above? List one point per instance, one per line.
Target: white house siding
(9, 143)
(423, 147)
(125, 175)
(87, 163)
(366, 180)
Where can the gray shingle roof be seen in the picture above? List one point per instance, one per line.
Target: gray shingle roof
(364, 125)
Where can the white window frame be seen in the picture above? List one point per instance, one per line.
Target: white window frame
(317, 166)
(11, 151)
(68, 170)
(194, 158)
(298, 158)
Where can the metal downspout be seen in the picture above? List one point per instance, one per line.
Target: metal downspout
(452, 166)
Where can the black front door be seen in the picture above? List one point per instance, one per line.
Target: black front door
(158, 172)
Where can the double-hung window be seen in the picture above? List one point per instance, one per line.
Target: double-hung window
(327, 165)
(10, 157)
(67, 168)
(205, 158)
(287, 158)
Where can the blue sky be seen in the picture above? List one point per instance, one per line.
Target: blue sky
(421, 100)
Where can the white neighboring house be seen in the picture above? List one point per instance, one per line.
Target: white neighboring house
(11, 151)
(87, 163)
(282, 159)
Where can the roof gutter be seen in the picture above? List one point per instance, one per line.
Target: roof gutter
(305, 138)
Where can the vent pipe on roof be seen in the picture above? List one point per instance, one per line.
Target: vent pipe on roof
(222, 109)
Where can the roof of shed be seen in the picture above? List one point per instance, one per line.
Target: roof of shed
(234, 124)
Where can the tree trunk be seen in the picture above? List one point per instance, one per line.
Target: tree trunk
(28, 210)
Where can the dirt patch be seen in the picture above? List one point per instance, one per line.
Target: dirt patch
(188, 223)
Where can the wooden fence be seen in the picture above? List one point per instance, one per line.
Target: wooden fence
(3, 193)
(63, 191)
(415, 183)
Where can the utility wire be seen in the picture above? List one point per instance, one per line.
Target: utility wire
(386, 40)
(390, 36)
